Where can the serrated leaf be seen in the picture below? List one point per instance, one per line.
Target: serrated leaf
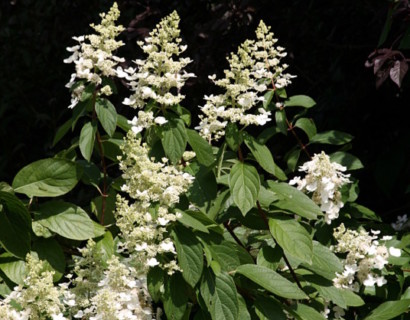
(346, 159)
(243, 313)
(13, 268)
(106, 247)
(91, 173)
(324, 262)
(292, 158)
(175, 298)
(15, 225)
(389, 310)
(47, 178)
(204, 187)
(62, 131)
(269, 257)
(294, 200)
(174, 139)
(268, 308)
(358, 211)
(292, 237)
(333, 137)
(122, 122)
(183, 113)
(50, 251)
(305, 312)
(188, 219)
(244, 184)
(190, 256)
(307, 125)
(201, 147)
(87, 139)
(220, 296)
(342, 297)
(232, 136)
(267, 98)
(264, 157)
(107, 115)
(155, 280)
(229, 255)
(271, 281)
(300, 101)
(67, 220)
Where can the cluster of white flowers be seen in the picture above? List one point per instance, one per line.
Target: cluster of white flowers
(155, 77)
(93, 56)
(155, 187)
(111, 292)
(338, 312)
(402, 223)
(38, 299)
(365, 254)
(323, 179)
(255, 67)
(145, 120)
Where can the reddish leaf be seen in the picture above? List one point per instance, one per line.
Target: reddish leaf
(398, 71)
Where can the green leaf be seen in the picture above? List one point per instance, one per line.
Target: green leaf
(106, 247)
(267, 98)
(201, 147)
(294, 200)
(204, 187)
(269, 257)
(389, 310)
(268, 308)
(96, 206)
(155, 281)
(229, 255)
(324, 262)
(174, 139)
(183, 113)
(67, 220)
(264, 157)
(107, 115)
(333, 137)
(175, 298)
(218, 204)
(305, 312)
(271, 281)
(122, 122)
(300, 101)
(233, 136)
(15, 225)
(91, 173)
(87, 139)
(190, 219)
(358, 211)
(220, 296)
(346, 159)
(244, 184)
(47, 178)
(280, 117)
(292, 158)
(112, 148)
(292, 237)
(342, 297)
(190, 256)
(4, 186)
(307, 125)
(13, 268)
(62, 131)
(51, 252)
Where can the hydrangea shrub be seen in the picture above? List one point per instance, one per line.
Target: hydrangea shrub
(212, 222)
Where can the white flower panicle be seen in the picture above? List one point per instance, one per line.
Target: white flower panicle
(253, 68)
(155, 187)
(38, 299)
(365, 255)
(155, 77)
(93, 56)
(323, 179)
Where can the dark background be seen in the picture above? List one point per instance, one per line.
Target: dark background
(327, 43)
